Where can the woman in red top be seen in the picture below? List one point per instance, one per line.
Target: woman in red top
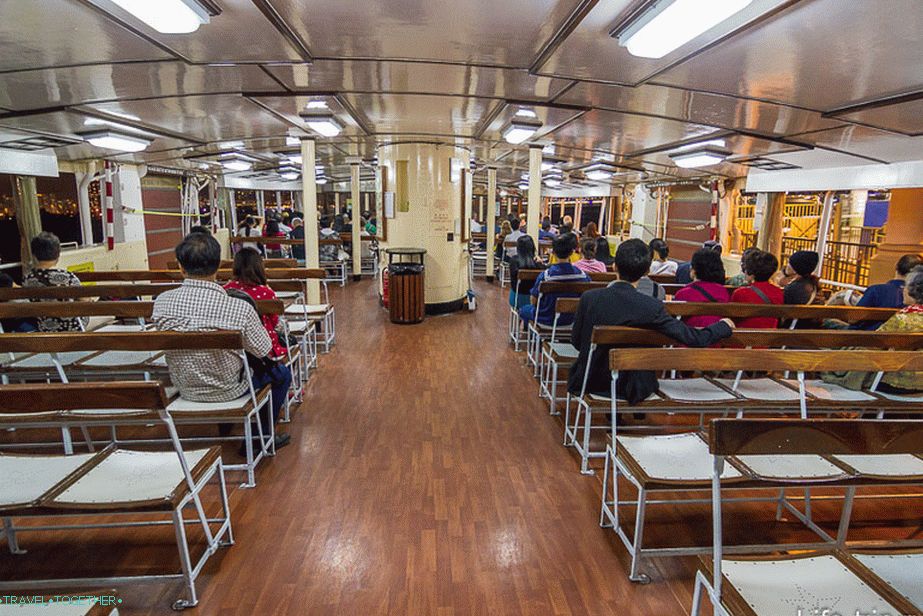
(760, 268)
(273, 251)
(708, 274)
(250, 277)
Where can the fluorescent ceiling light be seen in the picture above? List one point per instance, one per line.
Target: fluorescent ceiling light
(167, 16)
(719, 143)
(232, 145)
(700, 157)
(670, 24)
(523, 186)
(598, 175)
(525, 113)
(322, 122)
(321, 180)
(295, 159)
(289, 175)
(112, 140)
(518, 131)
(552, 183)
(503, 193)
(236, 163)
(316, 105)
(292, 141)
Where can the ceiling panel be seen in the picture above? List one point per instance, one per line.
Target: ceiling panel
(817, 159)
(289, 107)
(622, 133)
(819, 54)
(416, 77)
(590, 53)
(698, 107)
(739, 146)
(420, 114)
(102, 82)
(906, 118)
(206, 118)
(68, 124)
(509, 33)
(44, 33)
(239, 34)
(551, 118)
(870, 142)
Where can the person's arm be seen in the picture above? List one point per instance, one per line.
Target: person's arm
(256, 339)
(691, 336)
(869, 299)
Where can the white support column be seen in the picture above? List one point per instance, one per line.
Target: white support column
(83, 204)
(309, 198)
(357, 232)
(336, 200)
(261, 204)
(491, 219)
(232, 200)
(534, 211)
(279, 202)
(366, 208)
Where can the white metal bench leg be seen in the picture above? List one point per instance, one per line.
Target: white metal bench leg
(585, 454)
(11, 540)
(186, 562)
(634, 575)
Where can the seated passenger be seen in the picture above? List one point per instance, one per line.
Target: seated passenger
(590, 232)
(683, 275)
(574, 243)
(622, 304)
(740, 280)
(499, 251)
(760, 268)
(328, 252)
(201, 304)
(298, 234)
(524, 259)
(561, 271)
(659, 264)
(707, 272)
(908, 320)
(603, 252)
(588, 262)
(46, 250)
(514, 235)
(250, 277)
(889, 294)
(274, 251)
(803, 285)
(544, 233)
(15, 325)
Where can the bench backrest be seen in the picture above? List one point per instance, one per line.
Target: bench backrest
(65, 342)
(789, 338)
(54, 397)
(764, 360)
(223, 274)
(229, 263)
(569, 287)
(735, 437)
(849, 314)
(136, 310)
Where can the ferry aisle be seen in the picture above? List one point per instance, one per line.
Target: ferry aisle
(425, 477)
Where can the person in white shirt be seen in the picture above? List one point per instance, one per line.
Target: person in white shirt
(512, 237)
(659, 265)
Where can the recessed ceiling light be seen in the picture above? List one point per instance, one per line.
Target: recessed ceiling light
(552, 183)
(316, 105)
(670, 24)
(322, 122)
(519, 130)
(235, 163)
(503, 193)
(112, 140)
(321, 180)
(167, 16)
(231, 145)
(524, 112)
(703, 156)
(292, 140)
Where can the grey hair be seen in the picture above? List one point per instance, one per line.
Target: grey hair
(915, 284)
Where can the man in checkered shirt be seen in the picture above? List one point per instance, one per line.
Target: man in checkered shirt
(201, 304)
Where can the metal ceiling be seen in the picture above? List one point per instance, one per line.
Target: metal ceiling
(811, 83)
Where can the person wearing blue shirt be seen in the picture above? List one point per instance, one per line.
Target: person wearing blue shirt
(562, 271)
(889, 294)
(545, 232)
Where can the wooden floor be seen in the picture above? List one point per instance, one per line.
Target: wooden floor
(425, 478)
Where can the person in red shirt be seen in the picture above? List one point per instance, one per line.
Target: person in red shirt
(250, 277)
(707, 270)
(760, 268)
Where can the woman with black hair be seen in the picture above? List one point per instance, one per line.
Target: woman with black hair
(603, 252)
(707, 270)
(250, 277)
(274, 251)
(524, 259)
(659, 265)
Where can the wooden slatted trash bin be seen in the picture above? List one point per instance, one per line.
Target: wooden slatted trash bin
(406, 297)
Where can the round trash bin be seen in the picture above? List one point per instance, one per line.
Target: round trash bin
(405, 293)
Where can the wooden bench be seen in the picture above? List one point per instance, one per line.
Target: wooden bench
(229, 264)
(283, 273)
(110, 483)
(859, 582)
(63, 351)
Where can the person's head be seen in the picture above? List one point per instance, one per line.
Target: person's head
(590, 230)
(546, 225)
(745, 259)
(762, 265)
(296, 222)
(525, 249)
(659, 249)
(567, 220)
(602, 249)
(250, 221)
(907, 263)
(272, 227)
(46, 249)
(802, 263)
(199, 255)
(633, 260)
(563, 246)
(200, 229)
(913, 288)
(515, 224)
(248, 267)
(546, 219)
(713, 245)
(565, 228)
(506, 228)
(588, 249)
(522, 219)
(707, 266)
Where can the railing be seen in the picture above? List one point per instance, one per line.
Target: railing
(844, 262)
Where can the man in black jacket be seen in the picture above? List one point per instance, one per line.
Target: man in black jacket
(622, 304)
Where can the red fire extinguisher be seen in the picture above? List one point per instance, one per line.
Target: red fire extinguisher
(385, 285)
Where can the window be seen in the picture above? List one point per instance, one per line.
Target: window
(9, 232)
(60, 212)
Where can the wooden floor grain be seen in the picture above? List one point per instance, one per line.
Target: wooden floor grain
(425, 478)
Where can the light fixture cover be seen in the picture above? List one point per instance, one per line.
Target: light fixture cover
(113, 140)
(167, 16)
(520, 129)
(670, 24)
(699, 157)
(322, 122)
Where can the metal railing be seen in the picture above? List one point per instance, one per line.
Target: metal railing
(844, 262)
